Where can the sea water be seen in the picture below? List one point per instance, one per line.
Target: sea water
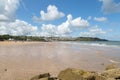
(99, 43)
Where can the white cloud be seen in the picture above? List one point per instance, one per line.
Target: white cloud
(109, 6)
(79, 23)
(53, 30)
(18, 27)
(100, 19)
(48, 30)
(56, 30)
(51, 14)
(8, 9)
(70, 25)
(10, 25)
(65, 28)
(93, 32)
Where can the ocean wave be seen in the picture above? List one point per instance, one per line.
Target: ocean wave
(113, 61)
(95, 44)
(99, 44)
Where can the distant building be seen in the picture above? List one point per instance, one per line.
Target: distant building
(11, 39)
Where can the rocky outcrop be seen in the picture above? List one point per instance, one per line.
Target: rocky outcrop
(111, 73)
(111, 66)
(45, 76)
(77, 74)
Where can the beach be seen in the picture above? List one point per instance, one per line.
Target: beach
(22, 60)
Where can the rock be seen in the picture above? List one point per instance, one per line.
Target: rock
(43, 79)
(5, 70)
(111, 66)
(68, 74)
(112, 73)
(110, 79)
(99, 77)
(51, 78)
(77, 74)
(46, 75)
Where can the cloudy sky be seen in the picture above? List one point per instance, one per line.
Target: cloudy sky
(71, 18)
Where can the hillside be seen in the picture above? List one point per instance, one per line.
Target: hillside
(36, 38)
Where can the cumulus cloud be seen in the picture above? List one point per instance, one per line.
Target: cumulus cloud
(10, 25)
(8, 9)
(70, 24)
(18, 27)
(80, 23)
(51, 14)
(109, 6)
(65, 28)
(53, 30)
(100, 19)
(93, 32)
(48, 30)
(56, 30)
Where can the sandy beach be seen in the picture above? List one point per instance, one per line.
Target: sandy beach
(22, 60)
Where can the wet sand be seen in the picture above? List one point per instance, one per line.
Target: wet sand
(22, 60)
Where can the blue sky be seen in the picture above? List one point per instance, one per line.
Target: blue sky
(64, 18)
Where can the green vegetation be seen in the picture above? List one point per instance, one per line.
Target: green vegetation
(36, 38)
(89, 39)
(20, 38)
(74, 39)
(4, 37)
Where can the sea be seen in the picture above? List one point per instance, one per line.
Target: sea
(99, 43)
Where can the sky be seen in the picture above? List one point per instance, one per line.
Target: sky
(61, 18)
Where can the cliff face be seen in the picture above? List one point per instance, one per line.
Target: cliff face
(111, 73)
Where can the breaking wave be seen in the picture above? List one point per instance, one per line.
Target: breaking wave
(98, 43)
